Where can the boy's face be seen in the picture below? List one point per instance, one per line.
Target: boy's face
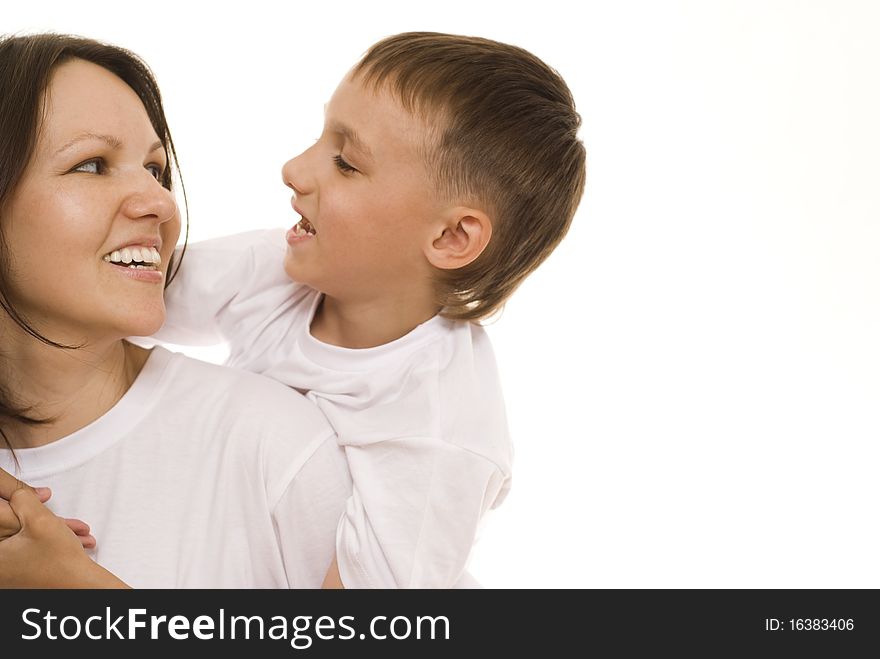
(366, 199)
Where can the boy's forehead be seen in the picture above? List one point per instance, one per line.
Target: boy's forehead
(349, 134)
(369, 118)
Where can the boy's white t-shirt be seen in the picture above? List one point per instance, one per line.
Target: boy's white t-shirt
(422, 418)
(200, 476)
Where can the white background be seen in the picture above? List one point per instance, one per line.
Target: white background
(693, 377)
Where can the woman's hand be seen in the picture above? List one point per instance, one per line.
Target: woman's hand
(9, 524)
(45, 553)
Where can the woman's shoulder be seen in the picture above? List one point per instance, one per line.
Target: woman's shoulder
(230, 396)
(235, 423)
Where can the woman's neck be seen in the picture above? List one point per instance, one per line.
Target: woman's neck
(367, 324)
(70, 388)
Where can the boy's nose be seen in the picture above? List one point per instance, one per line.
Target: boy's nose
(294, 176)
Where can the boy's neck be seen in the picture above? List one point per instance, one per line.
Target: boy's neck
(367, 324)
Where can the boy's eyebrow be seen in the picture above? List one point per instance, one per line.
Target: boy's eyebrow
(351, 135)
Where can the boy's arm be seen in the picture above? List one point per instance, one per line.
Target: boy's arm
(332, 581)
(414, 514)
(221, 287)
(307, 514)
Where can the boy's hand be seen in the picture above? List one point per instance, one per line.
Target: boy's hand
(46, 553)
(9, 524)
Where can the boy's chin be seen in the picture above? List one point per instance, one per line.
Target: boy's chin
(295, 271)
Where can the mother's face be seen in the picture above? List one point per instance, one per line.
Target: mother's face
(88, 202)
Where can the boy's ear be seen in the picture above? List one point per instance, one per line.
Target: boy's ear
(459, 239)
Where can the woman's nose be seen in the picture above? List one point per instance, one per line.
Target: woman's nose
(149, 200)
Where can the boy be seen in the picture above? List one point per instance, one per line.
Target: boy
(448, 169)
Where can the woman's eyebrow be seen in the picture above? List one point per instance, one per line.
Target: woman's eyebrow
(351, 135)
(112, 142)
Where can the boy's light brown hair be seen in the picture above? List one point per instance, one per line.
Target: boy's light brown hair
(505, 137)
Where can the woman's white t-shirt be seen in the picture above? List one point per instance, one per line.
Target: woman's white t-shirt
(201, 476)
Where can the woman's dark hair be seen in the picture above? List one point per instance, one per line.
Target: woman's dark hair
(27, 63)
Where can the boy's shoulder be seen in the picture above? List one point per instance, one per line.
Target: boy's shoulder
(441, 342)
(452, 377)
(468, 342)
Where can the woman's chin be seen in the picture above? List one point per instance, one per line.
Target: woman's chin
(146, 326)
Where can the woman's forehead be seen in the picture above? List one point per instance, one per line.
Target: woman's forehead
(83, 98)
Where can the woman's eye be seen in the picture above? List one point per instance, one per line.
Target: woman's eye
(343, 166)
(156, 171)
(94, 166)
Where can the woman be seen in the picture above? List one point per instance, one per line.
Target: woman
(124, 436)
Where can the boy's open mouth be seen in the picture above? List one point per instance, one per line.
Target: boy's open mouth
(304, 228)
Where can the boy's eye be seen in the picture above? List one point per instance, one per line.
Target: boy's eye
(343, 166)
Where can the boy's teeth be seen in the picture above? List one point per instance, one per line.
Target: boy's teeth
(304, 228)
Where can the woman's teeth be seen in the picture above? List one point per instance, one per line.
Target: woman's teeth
(143, 258)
